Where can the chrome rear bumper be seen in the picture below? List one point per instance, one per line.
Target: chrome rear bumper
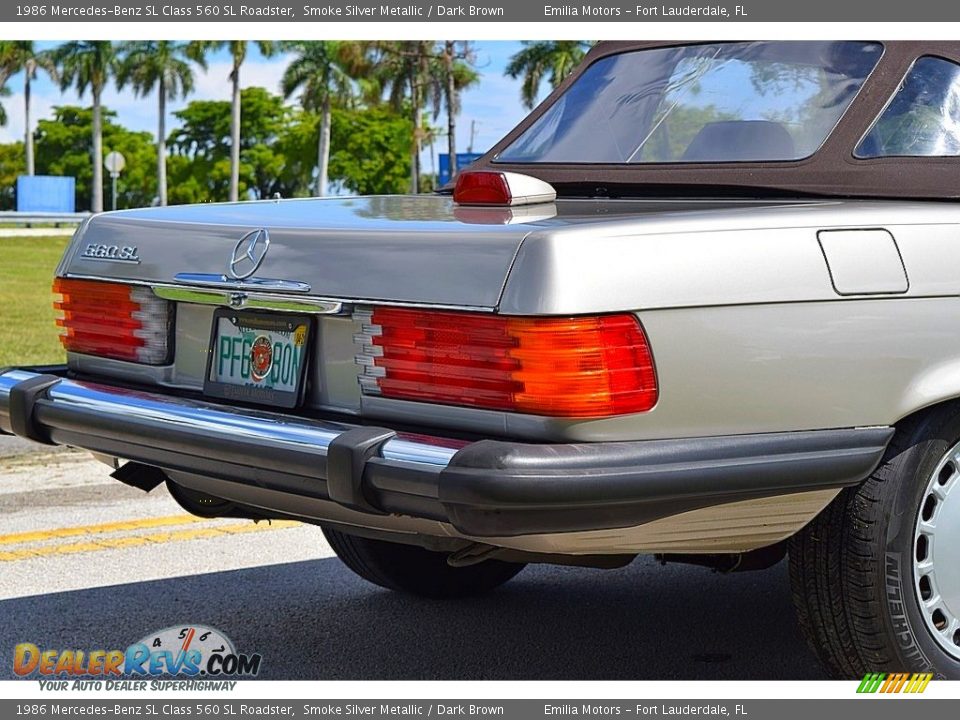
(485, 488)
(119, 405)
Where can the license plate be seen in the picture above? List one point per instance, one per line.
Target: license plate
(258, 357)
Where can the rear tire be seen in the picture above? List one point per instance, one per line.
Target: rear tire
(415, 570)
(870, 596)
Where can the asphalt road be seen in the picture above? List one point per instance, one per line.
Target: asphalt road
(86, 562)
(11, 445)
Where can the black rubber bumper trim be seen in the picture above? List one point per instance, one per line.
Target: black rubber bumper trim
(495, 488)
(23, 400)
(347, 457)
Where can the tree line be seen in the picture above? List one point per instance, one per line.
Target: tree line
(363, 106)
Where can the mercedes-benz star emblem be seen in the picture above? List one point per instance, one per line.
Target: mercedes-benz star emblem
(249, 253)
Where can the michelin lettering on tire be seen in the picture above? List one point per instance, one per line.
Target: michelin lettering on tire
(898, 614)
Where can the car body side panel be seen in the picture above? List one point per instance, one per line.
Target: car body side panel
(696, 262)
(796, 366)
(582, 271)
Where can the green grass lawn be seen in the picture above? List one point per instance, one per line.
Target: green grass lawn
(27, 330)
(12, 225)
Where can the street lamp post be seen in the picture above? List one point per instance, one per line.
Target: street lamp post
(114, 163)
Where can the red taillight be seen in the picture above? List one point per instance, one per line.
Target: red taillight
(112, 320)
(488, 187)
(562, 367)
(482, 188)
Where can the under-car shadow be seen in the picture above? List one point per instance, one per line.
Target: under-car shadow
(315, 620)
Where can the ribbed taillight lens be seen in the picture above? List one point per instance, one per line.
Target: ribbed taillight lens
(112, 320)
(562, 367)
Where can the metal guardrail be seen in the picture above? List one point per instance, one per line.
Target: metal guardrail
(31, 218)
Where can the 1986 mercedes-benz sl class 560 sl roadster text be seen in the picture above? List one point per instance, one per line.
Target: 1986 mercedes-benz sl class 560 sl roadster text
(702, 303)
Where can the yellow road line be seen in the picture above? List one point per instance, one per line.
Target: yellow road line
(145, 523)
(100, 544)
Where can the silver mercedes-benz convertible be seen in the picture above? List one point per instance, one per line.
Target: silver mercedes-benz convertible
(702, 303)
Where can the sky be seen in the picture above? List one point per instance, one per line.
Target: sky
(494, 105)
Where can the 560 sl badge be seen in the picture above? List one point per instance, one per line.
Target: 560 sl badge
(111, 253)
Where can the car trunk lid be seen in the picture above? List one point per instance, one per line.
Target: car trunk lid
(399, 249)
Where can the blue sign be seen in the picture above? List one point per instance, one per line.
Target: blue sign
(463, 159)
(46, 193)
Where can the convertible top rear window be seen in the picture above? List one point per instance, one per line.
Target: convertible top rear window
(711, 103)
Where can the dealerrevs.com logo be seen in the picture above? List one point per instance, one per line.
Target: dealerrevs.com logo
(188, 651)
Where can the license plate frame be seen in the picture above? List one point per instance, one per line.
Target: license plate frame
(266, 323)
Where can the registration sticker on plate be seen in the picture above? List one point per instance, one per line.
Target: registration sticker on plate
(258, 357)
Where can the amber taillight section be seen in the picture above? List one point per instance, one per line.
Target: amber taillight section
(112, 320)
(595, 366)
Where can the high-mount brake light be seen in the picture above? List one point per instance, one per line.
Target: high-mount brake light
(596, 366)
(112, 320)
(489, 187)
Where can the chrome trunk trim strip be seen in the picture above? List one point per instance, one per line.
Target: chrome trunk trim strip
(247, 284)
(245, 300)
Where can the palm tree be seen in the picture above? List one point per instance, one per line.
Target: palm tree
(431, 133)
(89, 64)
(164, 65)
(402, 68)
(322, 70)
(238, 53)
(21, 55)
(4, 92)
(540, 58)
(457, 76)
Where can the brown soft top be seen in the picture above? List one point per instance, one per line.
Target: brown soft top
(832, 171)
